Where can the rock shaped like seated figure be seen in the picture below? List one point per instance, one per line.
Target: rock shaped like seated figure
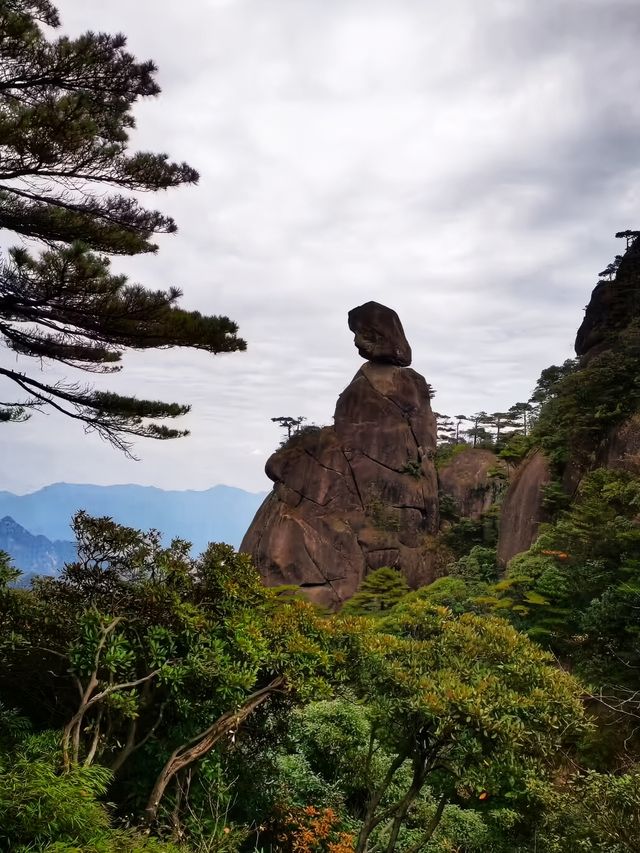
(363, 493)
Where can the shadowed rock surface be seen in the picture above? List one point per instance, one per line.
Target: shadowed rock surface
(356, 496)
(379, 335)
(621, 450)
(466, 480)
(612, 306)
(522, 510)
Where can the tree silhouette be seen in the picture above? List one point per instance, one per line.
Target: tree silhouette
(66, 177)
(445, 429)
(629, 236)
(611, 269)
(523, 411)
(500, 421)
(476, 432)
(292, 425)
(459, 420)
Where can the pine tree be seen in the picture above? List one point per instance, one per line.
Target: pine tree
(629, 236)
(501, 421)
(378, 592)
(521, 414)
(446, 430)
(291, 425)
(459, 420)
(65, 115)
(611, 269)
(478, 432)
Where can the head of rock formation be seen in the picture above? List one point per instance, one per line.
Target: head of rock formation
(379, 336)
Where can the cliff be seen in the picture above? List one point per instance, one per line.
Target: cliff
(469, 481)
(590, 417)
(613, 304)
(522, 511)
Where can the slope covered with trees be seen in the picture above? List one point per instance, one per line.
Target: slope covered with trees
(176, 687)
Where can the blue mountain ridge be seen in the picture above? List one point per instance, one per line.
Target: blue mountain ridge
(33, 554)
(218, 514)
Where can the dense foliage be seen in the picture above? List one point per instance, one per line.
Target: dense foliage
(226, 716)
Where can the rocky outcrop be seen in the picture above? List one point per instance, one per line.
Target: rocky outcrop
(522, 510)
(379, 335)
(611, 307)
(469, 480)
(355, 496)
(621, 450)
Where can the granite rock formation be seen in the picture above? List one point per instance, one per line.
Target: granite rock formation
(379, 335)
(612, 306)
(621, 449)
(522, 511)
(469, 480)
(360, 494)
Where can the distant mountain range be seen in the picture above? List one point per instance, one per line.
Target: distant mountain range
(219, 514)
(33, 554)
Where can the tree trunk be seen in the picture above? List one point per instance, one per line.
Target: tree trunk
(195, 749)
(420, 770)
(370, 821)
(408, 800)
(433, 825)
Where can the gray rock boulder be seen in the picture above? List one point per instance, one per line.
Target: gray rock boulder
(379, 335)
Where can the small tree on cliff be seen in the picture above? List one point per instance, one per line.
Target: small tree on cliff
(629, 236)
(292, 425)
(65, 115)
(479, 435)
(445, 430)
(501, 421)
(522, 412)
(611, 269)
(477, 432)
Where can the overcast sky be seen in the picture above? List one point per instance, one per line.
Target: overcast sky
(465, 162)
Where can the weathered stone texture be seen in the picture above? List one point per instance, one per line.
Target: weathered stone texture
(621, 450)
(522, 509)
(612, 306)
(379, 336)
(355, 496)
(466, 480)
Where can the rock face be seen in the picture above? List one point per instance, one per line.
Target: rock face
(522, 511)
(379, 335)
(356, 496)
(612, 305)
(466, 479)
(621, 450)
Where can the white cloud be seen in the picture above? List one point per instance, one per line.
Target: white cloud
(466, 163)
